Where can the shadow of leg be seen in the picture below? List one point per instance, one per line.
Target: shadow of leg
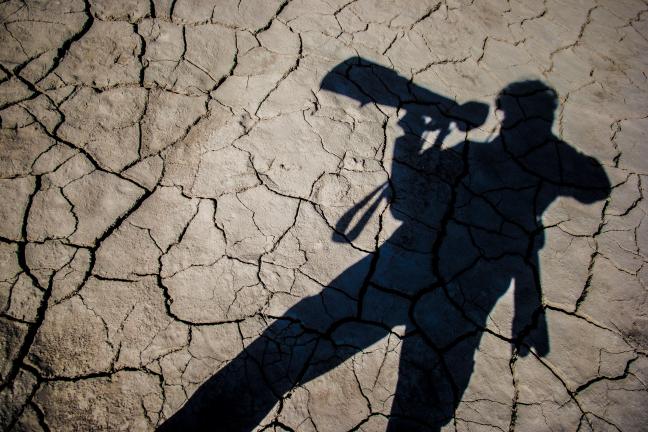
(424, 398)
(311, 338)
(241, 394)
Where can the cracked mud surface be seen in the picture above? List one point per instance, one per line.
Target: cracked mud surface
(177, 181)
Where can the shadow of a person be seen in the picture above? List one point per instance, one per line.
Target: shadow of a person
(471, 228)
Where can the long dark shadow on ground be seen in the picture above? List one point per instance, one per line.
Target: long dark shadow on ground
(471, 228)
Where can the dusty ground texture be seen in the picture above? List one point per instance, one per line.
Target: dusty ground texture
(172, 175)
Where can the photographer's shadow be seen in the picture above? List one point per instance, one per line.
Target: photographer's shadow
(471, 228)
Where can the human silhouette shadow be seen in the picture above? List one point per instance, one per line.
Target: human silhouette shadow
(471, 229)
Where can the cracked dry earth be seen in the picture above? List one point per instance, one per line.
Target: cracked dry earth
(173, 175)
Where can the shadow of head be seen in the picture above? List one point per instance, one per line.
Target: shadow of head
(524, 100)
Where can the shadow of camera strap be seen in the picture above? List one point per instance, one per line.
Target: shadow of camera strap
(342, 225)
